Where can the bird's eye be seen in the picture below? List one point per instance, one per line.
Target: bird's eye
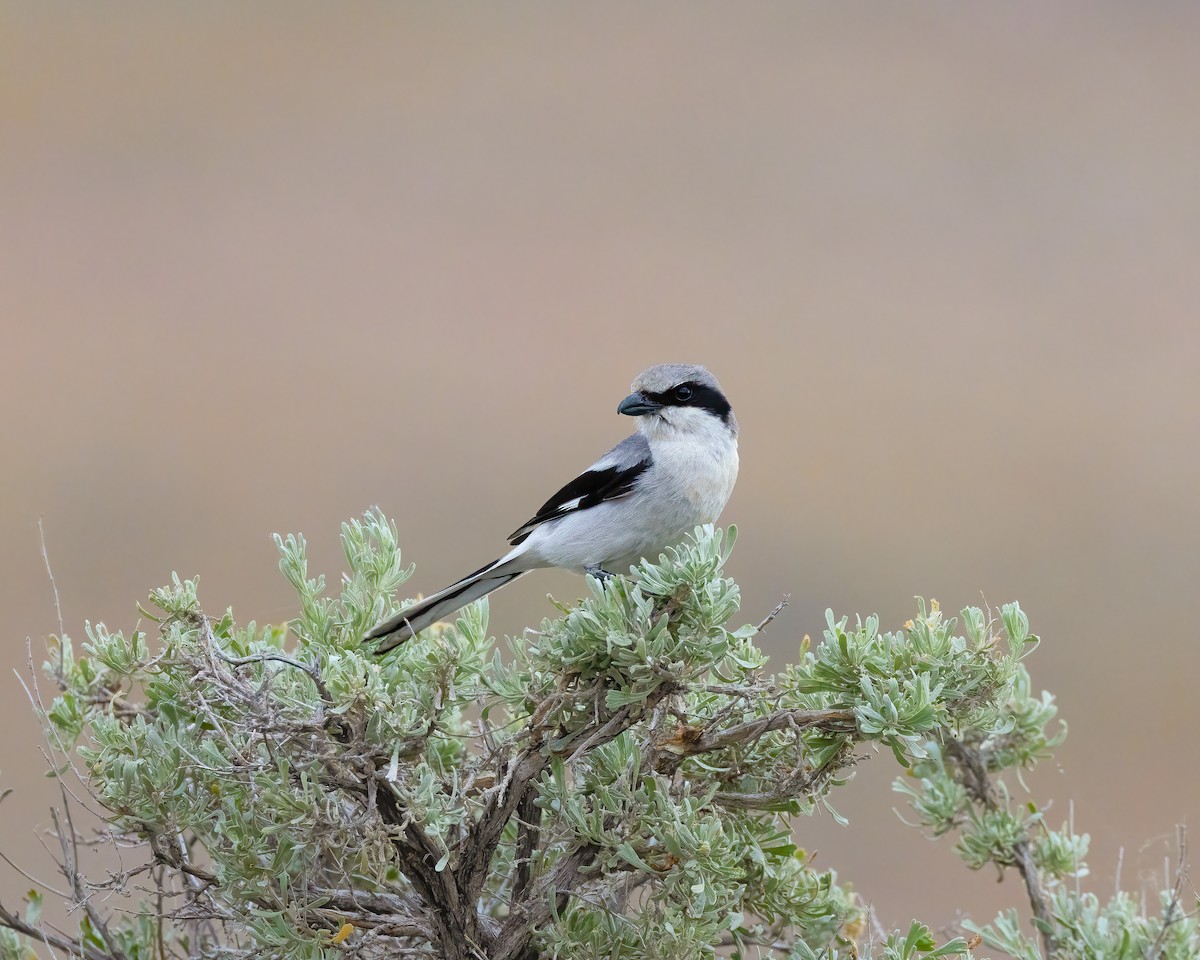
(683, 393)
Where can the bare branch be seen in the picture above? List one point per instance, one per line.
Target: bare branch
(552, 895)
(775, 611)
(308, 669)
(71, 948)
(687, 741)
(50, 574)
(1172, 914)
(973, 775)
(67, 839)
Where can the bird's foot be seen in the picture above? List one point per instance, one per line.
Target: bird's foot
(599, 573)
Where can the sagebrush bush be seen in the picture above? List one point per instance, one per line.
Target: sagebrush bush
(622, 782)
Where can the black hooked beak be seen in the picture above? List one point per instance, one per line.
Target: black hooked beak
(637, 405)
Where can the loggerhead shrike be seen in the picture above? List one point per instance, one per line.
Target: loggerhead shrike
(645, 494)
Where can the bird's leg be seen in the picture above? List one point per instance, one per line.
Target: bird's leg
(598, 572)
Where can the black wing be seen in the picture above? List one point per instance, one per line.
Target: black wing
(605, 481)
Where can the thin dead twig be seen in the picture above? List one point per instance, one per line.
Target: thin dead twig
(688, 741)
(973, 775)
(775, 611)
(50, 574)
(72, 948)
(308, 669)
(1172, 914)
(68, 841)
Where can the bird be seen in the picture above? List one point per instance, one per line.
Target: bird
(647, 493)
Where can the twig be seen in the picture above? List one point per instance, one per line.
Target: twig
(39, 705)
(70, 868)
(775, 611)
(50, 574)
(71, 948)
(601, 734)
(32, 879)
(799, 782)
(974, 777)
(392, 905)
(1171, 914)
(688, 741)
(311, 671)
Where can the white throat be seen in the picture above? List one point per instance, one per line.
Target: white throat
(695, 453)
(675, 424)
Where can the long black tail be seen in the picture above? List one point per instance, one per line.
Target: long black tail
(412, 620)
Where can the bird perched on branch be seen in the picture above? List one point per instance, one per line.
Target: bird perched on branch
(645, 494)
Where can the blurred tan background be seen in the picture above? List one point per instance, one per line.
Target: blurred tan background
(263, 268)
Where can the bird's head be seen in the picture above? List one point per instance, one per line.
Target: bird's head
(679, 397)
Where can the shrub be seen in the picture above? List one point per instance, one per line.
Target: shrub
(623, 782)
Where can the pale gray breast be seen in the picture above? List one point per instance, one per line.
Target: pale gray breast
(701, 474)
